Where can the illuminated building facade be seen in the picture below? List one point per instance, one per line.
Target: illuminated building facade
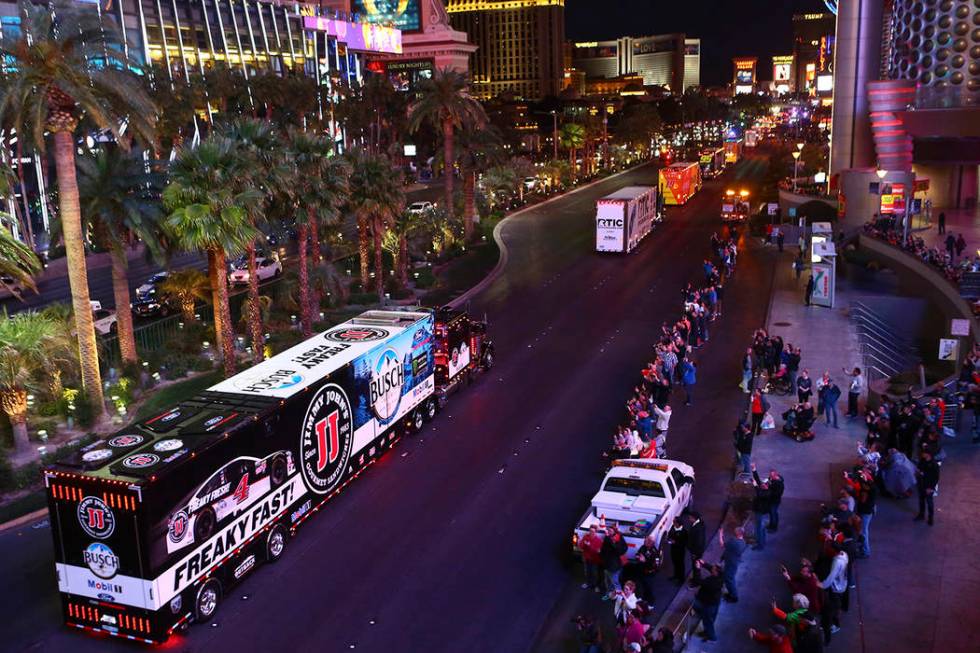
(669, 60)
(744, 77)
(814, 36)
(519, 45)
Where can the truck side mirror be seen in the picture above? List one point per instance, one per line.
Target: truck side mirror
(689, 480)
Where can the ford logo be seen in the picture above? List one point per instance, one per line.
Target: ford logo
(107, 597)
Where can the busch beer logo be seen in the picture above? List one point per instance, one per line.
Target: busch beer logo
(387, 381)
(278, 380)
(141, 460)
(125, 441)
(356, 334)
(177, 527)
(96, 518)
(101, 560)
(96, 455)
(326, 439)
(170, 444)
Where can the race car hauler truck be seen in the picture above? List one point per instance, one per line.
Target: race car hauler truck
(153, 524)
(624, 218)
(712, 162)
(679, 181)
(640, 497)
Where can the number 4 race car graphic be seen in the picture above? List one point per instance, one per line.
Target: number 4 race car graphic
(225, 494)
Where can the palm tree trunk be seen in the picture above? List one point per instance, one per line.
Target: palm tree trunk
(124, 312)
(363, 247)
(254, 314)
(314, 236)
(227, 337)
(403, 258)
(469, 204)
(305, 318)
(14, 404)
(379, 274)
(216, 277)
(71, 229)
(449, 161)
(187, 311)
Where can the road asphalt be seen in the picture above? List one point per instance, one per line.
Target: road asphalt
(459, 540)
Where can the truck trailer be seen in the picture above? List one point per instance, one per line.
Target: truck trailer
(624, 218)
(712, 162)
(154, 524)
(679, 182)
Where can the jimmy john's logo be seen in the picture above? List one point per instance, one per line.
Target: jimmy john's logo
(141, 460)
(126, 441)
(96, 518)
(356, 334)
(277, 380)
(177, 527)
(387, 381)
(101, 560)
(326, 439)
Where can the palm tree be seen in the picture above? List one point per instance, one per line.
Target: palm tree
(119, 208)
(572, 136)
(18, 263)
(444, 101)
(478, 151)
(32, 345)
(185, 288)
(376, 199)
(260, 150)
(208, 212)
(55, 74)
(320, 186)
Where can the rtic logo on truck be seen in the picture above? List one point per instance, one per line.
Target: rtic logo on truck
(609, 222)
(327, 439)
(387, 381)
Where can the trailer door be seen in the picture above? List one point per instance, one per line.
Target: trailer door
(96, 545)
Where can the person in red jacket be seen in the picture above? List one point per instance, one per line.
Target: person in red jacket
(776, 639)
(590, 545)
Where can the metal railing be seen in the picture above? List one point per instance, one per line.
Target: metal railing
(884, 351)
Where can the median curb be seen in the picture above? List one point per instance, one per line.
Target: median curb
(17, 522)
(502, 260)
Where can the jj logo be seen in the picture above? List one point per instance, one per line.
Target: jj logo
(327, 440)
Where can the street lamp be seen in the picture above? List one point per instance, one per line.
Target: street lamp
(796, 165)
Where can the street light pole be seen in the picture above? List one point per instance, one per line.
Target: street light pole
(796, 165)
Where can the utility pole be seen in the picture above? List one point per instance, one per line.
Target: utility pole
(605, 139)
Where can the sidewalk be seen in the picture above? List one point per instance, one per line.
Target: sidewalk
(914, 593)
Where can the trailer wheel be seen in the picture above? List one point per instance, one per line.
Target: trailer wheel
(204, 525)
(278, 471)
(431, 408)
(206, 602)
(418, 419)
(275, 543)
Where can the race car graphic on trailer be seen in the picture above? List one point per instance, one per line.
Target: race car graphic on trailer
(227, 493)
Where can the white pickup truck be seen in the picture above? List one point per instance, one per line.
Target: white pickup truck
(640, 497)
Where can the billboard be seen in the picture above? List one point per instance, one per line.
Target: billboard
(782, 68)
(743, 77)
(405, 15)
(358, 36)
(405, 75)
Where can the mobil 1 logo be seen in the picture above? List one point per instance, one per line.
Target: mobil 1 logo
(327, 438)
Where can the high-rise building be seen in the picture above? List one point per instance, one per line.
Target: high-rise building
(519, 45)
(907, 100)
(813, 49)
(669, 60)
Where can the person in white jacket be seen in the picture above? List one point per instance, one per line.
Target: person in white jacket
(836, 585)
(663, 422)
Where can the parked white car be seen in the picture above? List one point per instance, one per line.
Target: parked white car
(417, 208)
(530, 183)
(105, 320)
(265, 268)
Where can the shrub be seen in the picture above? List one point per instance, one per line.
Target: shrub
(425, 279)
(84, 417)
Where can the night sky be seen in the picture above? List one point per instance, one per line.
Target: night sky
(727, 28)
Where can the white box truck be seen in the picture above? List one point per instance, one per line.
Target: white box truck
(624, 218)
